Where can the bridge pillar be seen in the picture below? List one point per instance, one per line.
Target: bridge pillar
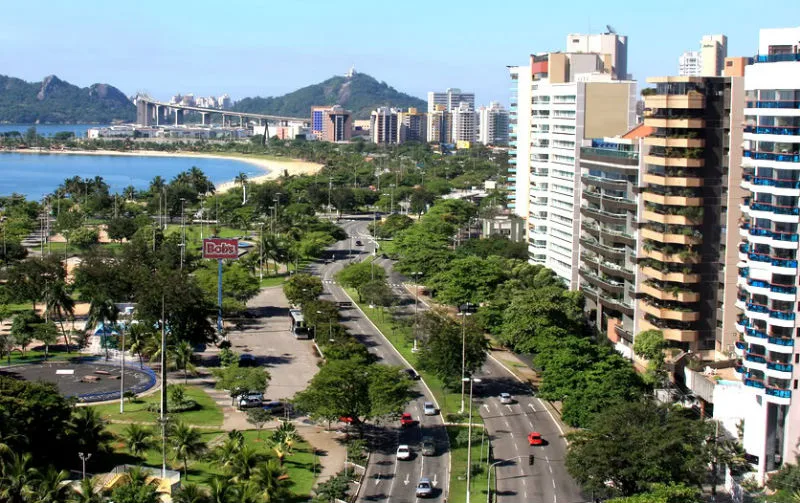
(223, 120)
(141, 112)
(158, 114)
(178, 116)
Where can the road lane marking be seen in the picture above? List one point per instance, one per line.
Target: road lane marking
(487, 406)
(554, 483)
(509, 408)
(407, 480)
(532, 407)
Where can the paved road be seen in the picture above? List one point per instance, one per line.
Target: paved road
(387, 479)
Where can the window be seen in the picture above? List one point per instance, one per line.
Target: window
(729, 63)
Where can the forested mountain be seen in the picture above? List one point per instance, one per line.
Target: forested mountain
(360, 93)
(54, 101)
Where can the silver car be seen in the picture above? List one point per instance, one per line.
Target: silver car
(429, 409)
(506, 398)
(424, 488)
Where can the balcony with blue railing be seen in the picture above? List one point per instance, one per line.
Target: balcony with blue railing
(756, 257)
(779, 236)
(752, 332)
(771, 156)
(790, 290)
(774, 208)
(781, 183)
(780, 393)
(773, 104)
(782, 315)
(781, 341)
(780, 367)
(780, 130)
(741, 345)
(776, 58)
(757, 308)
(755, 383)
(750, 357)
(744, 272)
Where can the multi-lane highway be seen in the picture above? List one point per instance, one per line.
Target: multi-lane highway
(508, 425)
(387, 478)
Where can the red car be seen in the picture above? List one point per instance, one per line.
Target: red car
(346, 419)
(535, 438)
(406, 419)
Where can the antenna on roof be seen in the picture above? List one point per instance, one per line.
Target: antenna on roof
(611, 29)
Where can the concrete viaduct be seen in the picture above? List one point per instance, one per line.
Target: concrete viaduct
(150, 112)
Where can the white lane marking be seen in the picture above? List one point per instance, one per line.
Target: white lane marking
(434, 479)
(512, 434)
(532, 407)
(554, 483)
(526, 495)
(509, 408)
(525, 482)
(487, 406)
(408, 479)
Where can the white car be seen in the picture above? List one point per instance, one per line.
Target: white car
(403, 452)
(429, 409)
(506, 398)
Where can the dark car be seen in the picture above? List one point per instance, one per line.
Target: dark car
(411, 373)
(428, 446)
(274, 407)
(359, 243)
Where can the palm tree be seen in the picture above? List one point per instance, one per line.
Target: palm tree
(59, 304)
(272, 480)
(17, 478)
(139, 439)
(280, 453)
(88, 428)
(242, 465)
(129, 193)
(138, 335)
(183, 353)
(157, 185)
(47, 333)
(85, 493)
(285, 432)
(100, 311)
(186, 443)
(221, 490)
(241, 179)
(225, 453)
(52, 487)
(189, 493)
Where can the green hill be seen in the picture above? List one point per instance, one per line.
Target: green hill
(53, 101)
(360, 93)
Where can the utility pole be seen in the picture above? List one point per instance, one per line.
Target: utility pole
(183, 230)
(330, 188)
(464, 310)
(162, 418)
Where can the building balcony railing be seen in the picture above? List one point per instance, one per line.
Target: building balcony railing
(667, 200)
(606, 251)
(677, 277)
(775, 261)
(774, 208)
(772, 182)
(671, 334)
(675, 101)
(772, 104)
(665, 122)
(771, 156)
(605, 284)
(665, 218)
(604, 182)
(666, 313)
(781, 130)
(677, 162)
(773, 288)
(776, 58)
(604, 216)
(665, 237)
(673, 181)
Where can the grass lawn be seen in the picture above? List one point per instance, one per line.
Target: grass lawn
(458, 474)
(36, 356)
(193, 232)
(209, 414)
(387, 247)
(301, 465)
(449, 402)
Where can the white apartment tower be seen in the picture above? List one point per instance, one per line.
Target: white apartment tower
(450, 99)
(384, 126)
(690, 64)
(463, 120)
(709, 61)
(769, 348)
(493, 124)
(613, 47)
(558, 100)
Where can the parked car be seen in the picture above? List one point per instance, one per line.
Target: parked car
(406, 419)
(251, 399)
(506, 398)
(535, 438)
(412, 374)
(424, 488)
(359, 243)
(247, 360)
(429, 409)
(274, 407)
(403, 452)
(428, 446)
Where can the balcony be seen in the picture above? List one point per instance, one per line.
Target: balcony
(610, 156)
(778, 236)
(669, 238)
(655, 141)
(669, 293)
(652, 197)
(671, 334)
(604, 216)
(674, 258)
(771, 156)
(780, 183)
(776, 58)
(668, 314)
(616, 288)
(779, 370)
(673, 181)
(676, 162)
(783, 104)
(783, 345)
(692, 123)
(613, 269)
(603, 250)
(606, 183)
(615, 304)
(652, 216)
(675, 277)
(778, 130)
(693, 100)
(617, 237)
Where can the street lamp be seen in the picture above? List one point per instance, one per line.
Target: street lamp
(330, 187)
(183, 229)
(261, 251)
(471, 380)
(416, 275)
(330, 328)
(84, 458)
(489, 478)
(464, 310)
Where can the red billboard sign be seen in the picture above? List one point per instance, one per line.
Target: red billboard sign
(220, 248)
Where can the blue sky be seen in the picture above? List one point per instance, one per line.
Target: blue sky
(270, 47)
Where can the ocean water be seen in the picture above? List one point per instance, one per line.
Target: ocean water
(79, 130)
(36, 175)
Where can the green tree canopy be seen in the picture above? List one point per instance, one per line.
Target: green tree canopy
(302, 288)
(358, 274)
(441, 347)
(469, 279)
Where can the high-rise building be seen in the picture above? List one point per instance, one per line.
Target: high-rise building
(768, 348)
(690, 64)
(334, 124)
(463, 123)
(558, 100)
(613, 47)
(438, 126)
(450, 99)
(609, 217)
(685, 289)
(413, 126)
(384, 126)
(493, 124)
(708, 61)
(734, 66)
(225, 102)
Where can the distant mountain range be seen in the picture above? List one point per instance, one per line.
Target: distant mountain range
(360, 93)
(54, 101)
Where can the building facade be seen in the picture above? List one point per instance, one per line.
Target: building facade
(384, 126)
(612, 46)
(438, 125)
(690, 64)
(463, 124)
(708, 61)
(413, 126)
(493, 125)
(332, 123)
(450, 99)
(768, 349)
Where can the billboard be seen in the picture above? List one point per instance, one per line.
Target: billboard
(220, 248)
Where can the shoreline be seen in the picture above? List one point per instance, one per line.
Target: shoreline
(273, 169)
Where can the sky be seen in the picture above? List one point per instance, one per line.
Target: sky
(270, 47)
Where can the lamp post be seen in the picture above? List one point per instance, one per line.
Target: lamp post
(84, 458)
(122, 373)
(464, 310)
(471, 380)
(489, 477)
(416, 275)
(183, 229)
(261, 251)
(330, 188)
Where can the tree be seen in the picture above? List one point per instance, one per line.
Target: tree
(183, 353)
(137, 490)
(121, 228)
(272, 481)
(241, 379)
(52, 486)
(358, 274)
(189, 493)
(139, 439)
(333, 488)
(657, 444)
(47, 333)
(23, 328)
(88, 430)
(243, 463)
(468, 279)
(258, 417)
(302, 288)
(86, 493)
(103, 310)
(664, 493)
(60, 305)
(535, 315)
(377, 293)
(650, 345)
(67, 222)
(18, 477)
(313, 243)
(441, 348)
(186, 444)
(84, 238)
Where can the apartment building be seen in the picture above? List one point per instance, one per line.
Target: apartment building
(609, 215)
(685, 289)
(413, 126)
(450, 99)
(558, 100)
(331, 123)
(768, 349)
(612, 47)
(493, 124)
(708, 61)
(384, 126)
(690, 64)
(463, 123)
(438, 125)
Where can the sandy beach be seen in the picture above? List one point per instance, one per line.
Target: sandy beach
(273, 168)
